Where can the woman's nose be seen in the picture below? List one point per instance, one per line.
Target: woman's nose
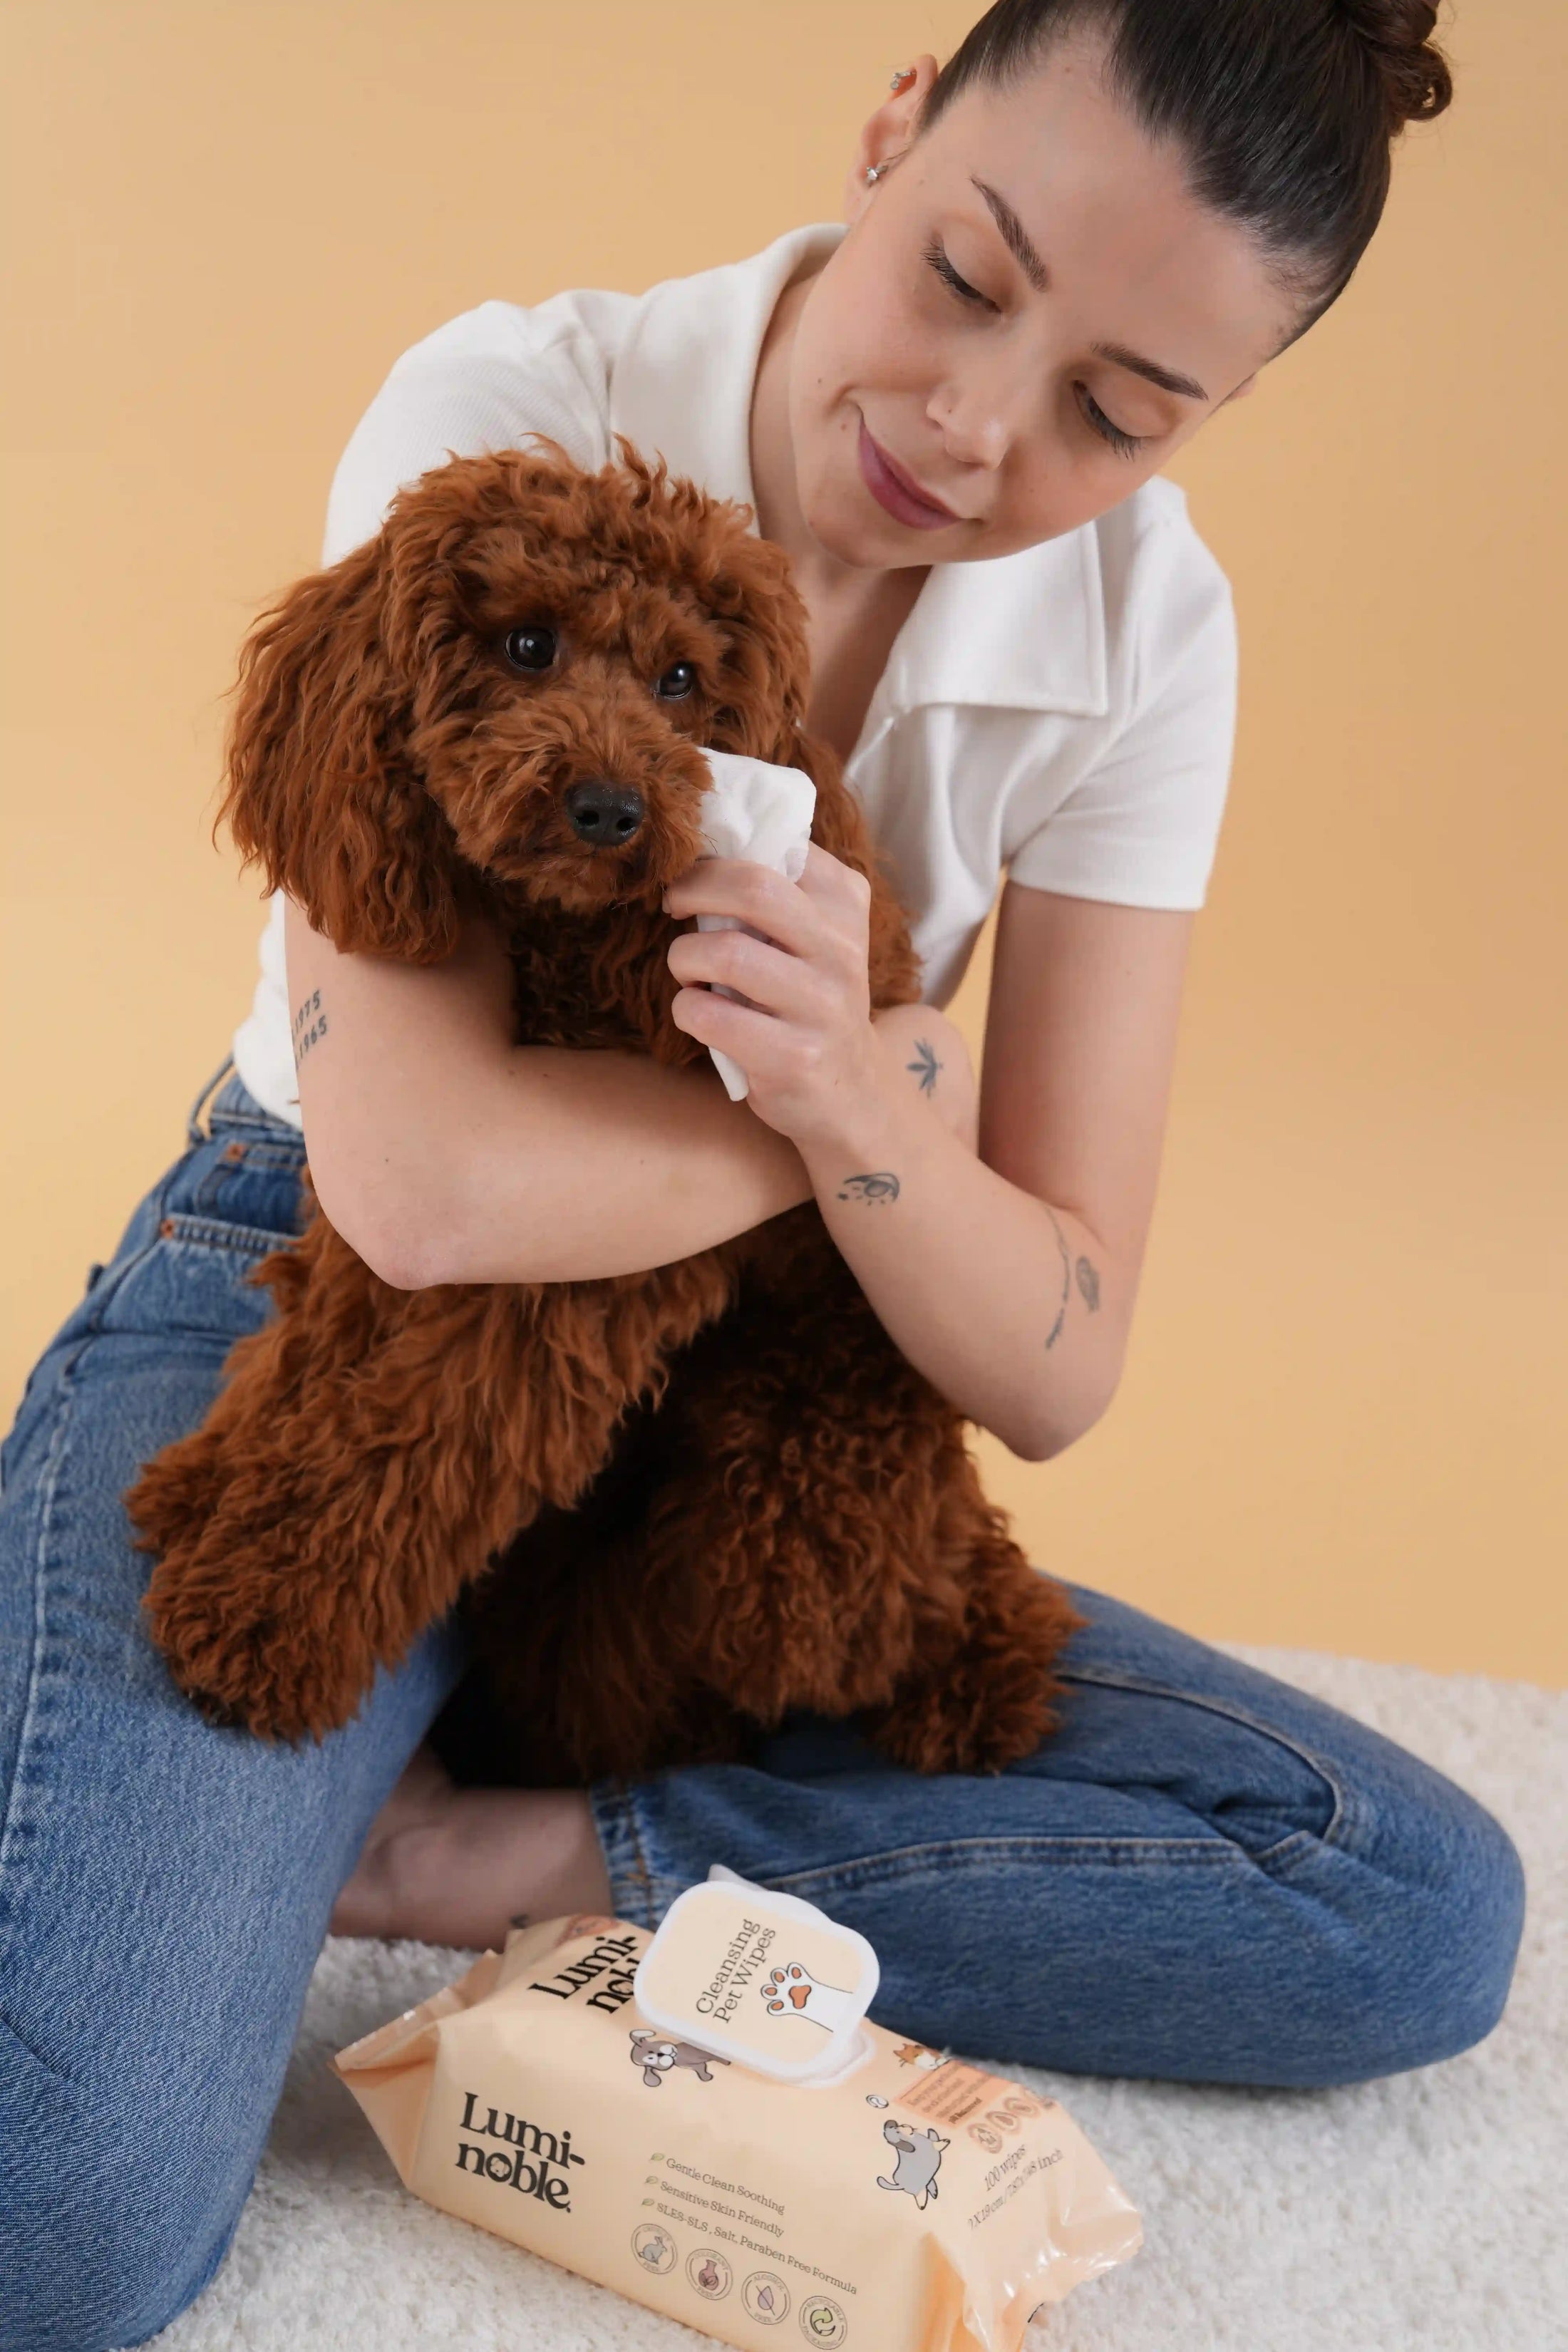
(978, 417)
(972, 434)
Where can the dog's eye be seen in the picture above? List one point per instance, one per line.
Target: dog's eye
(676, 682)
(531, 648)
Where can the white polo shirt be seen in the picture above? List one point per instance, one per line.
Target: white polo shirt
(1066, 714)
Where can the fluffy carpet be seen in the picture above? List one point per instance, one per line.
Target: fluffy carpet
(1427, 2212)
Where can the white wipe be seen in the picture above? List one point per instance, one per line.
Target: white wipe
(757, 811)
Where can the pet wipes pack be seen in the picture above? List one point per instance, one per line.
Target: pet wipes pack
(896, 2200)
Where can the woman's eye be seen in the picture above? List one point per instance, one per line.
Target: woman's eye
(949, 277)
(530, 648)
(1126, 445)
(676, 682)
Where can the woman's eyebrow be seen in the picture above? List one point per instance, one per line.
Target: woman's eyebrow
(1014, 235)
(1021, 246)
(1166, 378)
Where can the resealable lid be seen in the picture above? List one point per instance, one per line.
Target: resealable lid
(760, 1978)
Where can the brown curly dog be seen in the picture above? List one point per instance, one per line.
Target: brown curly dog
(680, 1503)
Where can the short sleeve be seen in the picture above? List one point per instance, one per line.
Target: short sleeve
(484, 381)
(1142, 825)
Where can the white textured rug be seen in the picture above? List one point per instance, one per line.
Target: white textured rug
(1425, 2214)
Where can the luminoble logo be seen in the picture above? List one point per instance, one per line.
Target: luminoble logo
(535, 2162)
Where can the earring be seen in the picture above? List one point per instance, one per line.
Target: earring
(874, 172)
(901, 75)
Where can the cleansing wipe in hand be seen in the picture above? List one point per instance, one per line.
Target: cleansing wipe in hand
(756, 811)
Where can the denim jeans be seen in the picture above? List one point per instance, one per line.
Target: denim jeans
(1203, 1875)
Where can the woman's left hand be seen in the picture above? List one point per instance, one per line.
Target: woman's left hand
(804, 1037)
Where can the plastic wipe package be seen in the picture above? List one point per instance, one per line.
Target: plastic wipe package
(704, 2119)
(762, 813)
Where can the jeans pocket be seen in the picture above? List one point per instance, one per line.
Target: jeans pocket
(227, 1206)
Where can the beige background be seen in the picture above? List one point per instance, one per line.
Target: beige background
(1342, 1421)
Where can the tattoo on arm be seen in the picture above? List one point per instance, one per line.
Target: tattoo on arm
(1054, 1334)
(926, 1068)
(882, 1186)
(309, 1027)
(1087, 1280)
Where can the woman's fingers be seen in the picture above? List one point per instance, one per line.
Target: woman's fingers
(795, 954)
(790, 986)
(830, 900)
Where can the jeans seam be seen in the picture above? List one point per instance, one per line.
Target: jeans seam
(613, 1805)
(1334, 1829)
(906, 1862)
(27, 1732)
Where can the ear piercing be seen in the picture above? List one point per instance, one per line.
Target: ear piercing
(905, 73)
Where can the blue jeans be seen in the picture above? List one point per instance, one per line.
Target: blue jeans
(1204, 1875)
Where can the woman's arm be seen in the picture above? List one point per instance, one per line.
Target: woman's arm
(1008, 1277)
(442, 1152)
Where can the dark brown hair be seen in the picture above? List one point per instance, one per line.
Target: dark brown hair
(1285, 108)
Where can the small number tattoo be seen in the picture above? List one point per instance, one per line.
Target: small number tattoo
(882, 1186)
(309, 1027)
(926, 1068)
(1089, 1282)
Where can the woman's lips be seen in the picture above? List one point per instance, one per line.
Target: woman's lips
(892, 489)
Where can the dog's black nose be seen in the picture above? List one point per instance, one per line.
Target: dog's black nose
(604, 813)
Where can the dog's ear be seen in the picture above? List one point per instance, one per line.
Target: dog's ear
(750, 591)
(321, 792)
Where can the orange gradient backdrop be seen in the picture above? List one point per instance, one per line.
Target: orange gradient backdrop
(1341, 1425)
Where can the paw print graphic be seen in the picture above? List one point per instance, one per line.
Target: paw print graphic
(795, 1988)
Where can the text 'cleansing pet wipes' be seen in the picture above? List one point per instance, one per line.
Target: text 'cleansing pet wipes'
(760, 1978)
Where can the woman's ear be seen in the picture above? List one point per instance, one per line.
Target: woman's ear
(321, 794)
(886, 134)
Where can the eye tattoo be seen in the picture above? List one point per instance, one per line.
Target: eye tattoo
(1089, 1282)
(309, 1027)
(882, 1186)
(926, 1068)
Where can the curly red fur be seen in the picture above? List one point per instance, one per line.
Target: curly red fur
(675, 1504)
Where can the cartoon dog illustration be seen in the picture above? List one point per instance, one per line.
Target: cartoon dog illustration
(920, 2160)
(657, 2057)
(793, 1987)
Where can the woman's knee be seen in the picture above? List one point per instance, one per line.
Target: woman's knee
(1446, 1938)
(113, 2218)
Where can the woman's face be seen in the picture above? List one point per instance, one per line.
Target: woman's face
(978, 324)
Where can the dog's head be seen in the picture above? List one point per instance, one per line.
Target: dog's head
(508, 688)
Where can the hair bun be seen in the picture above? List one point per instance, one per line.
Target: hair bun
(1397, 33)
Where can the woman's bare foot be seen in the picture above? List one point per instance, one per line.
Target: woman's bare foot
(451, 1866)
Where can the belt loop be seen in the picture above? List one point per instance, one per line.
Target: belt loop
(195, 1130)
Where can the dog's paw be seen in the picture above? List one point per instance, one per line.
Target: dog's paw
(260, 1653)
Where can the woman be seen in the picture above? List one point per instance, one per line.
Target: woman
(1062, 254)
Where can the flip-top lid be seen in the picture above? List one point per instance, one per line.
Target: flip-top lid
(759, 1976)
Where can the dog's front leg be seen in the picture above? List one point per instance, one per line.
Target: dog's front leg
(376, 1455)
